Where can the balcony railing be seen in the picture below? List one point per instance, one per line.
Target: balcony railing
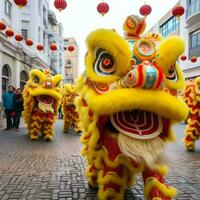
(193, 9)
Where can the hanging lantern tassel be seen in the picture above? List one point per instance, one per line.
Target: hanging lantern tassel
(145, 10)
(103, 8)
(60, 4)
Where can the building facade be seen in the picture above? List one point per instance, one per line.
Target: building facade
(34, 21)
(188, 27)
(70, 60)
(38, 23)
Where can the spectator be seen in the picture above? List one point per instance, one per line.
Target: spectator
(8, 100)
(60, 115)
(18, 107)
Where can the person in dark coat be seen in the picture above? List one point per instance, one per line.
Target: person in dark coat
(8, 100)
(18, 106)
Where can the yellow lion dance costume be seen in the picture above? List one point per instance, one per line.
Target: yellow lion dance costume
(125, 114)
(192, 98)
(71, 118)
(42, 96)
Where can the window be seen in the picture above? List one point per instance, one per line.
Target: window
(5, 78)
(24, 28)
(195, 39)
(39, 34)
(68, 62)
(24, 33)
(44, 16)
(169, 26)
(7, 8)
(194, 43)
(191, 2)
(44, 39)
(23, 79)
(40, 6)
(193, 6)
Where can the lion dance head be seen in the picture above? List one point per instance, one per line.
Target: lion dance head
(126, 115)
(42, 96)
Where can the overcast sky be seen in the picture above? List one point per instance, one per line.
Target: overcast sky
(80, 17)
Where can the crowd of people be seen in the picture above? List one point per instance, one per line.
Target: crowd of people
(13, 105)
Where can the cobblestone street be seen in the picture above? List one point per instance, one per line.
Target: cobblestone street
(41, 170)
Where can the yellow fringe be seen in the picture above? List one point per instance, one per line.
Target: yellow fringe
(152, 182)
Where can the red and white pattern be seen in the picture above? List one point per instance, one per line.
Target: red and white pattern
(137, 124)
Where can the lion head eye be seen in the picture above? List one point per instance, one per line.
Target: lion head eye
(36, 79)
(104, 63)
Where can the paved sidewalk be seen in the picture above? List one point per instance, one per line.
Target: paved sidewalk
(40, 170)
(3, 123)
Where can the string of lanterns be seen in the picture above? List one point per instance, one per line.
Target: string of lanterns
(193, 59)
(59, 4)
(102, 8)
(178, 11)
(19, 38)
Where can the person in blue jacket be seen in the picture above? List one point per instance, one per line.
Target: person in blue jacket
(8, 102)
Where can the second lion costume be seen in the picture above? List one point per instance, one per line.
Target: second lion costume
(192, 98)
(71, 118)
(42, 97)
(126, 116)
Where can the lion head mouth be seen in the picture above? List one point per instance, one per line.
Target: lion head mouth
(140, 134)
(45, 103)
(45, 99)
(137, 124)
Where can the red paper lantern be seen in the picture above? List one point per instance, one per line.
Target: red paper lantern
(18, 38)
(53, 47)
(145, 10)
(29, 42)
(40, 47)
(20, 3)
(2, 26)
(193, 59)
(9, 32)
(70, 48)
(60, 4)
(178, 11)
(183, 57)
(103, 8)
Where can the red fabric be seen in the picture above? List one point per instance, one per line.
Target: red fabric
(114, 186)
(111, 146)
(48, 115)
(141, 76)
